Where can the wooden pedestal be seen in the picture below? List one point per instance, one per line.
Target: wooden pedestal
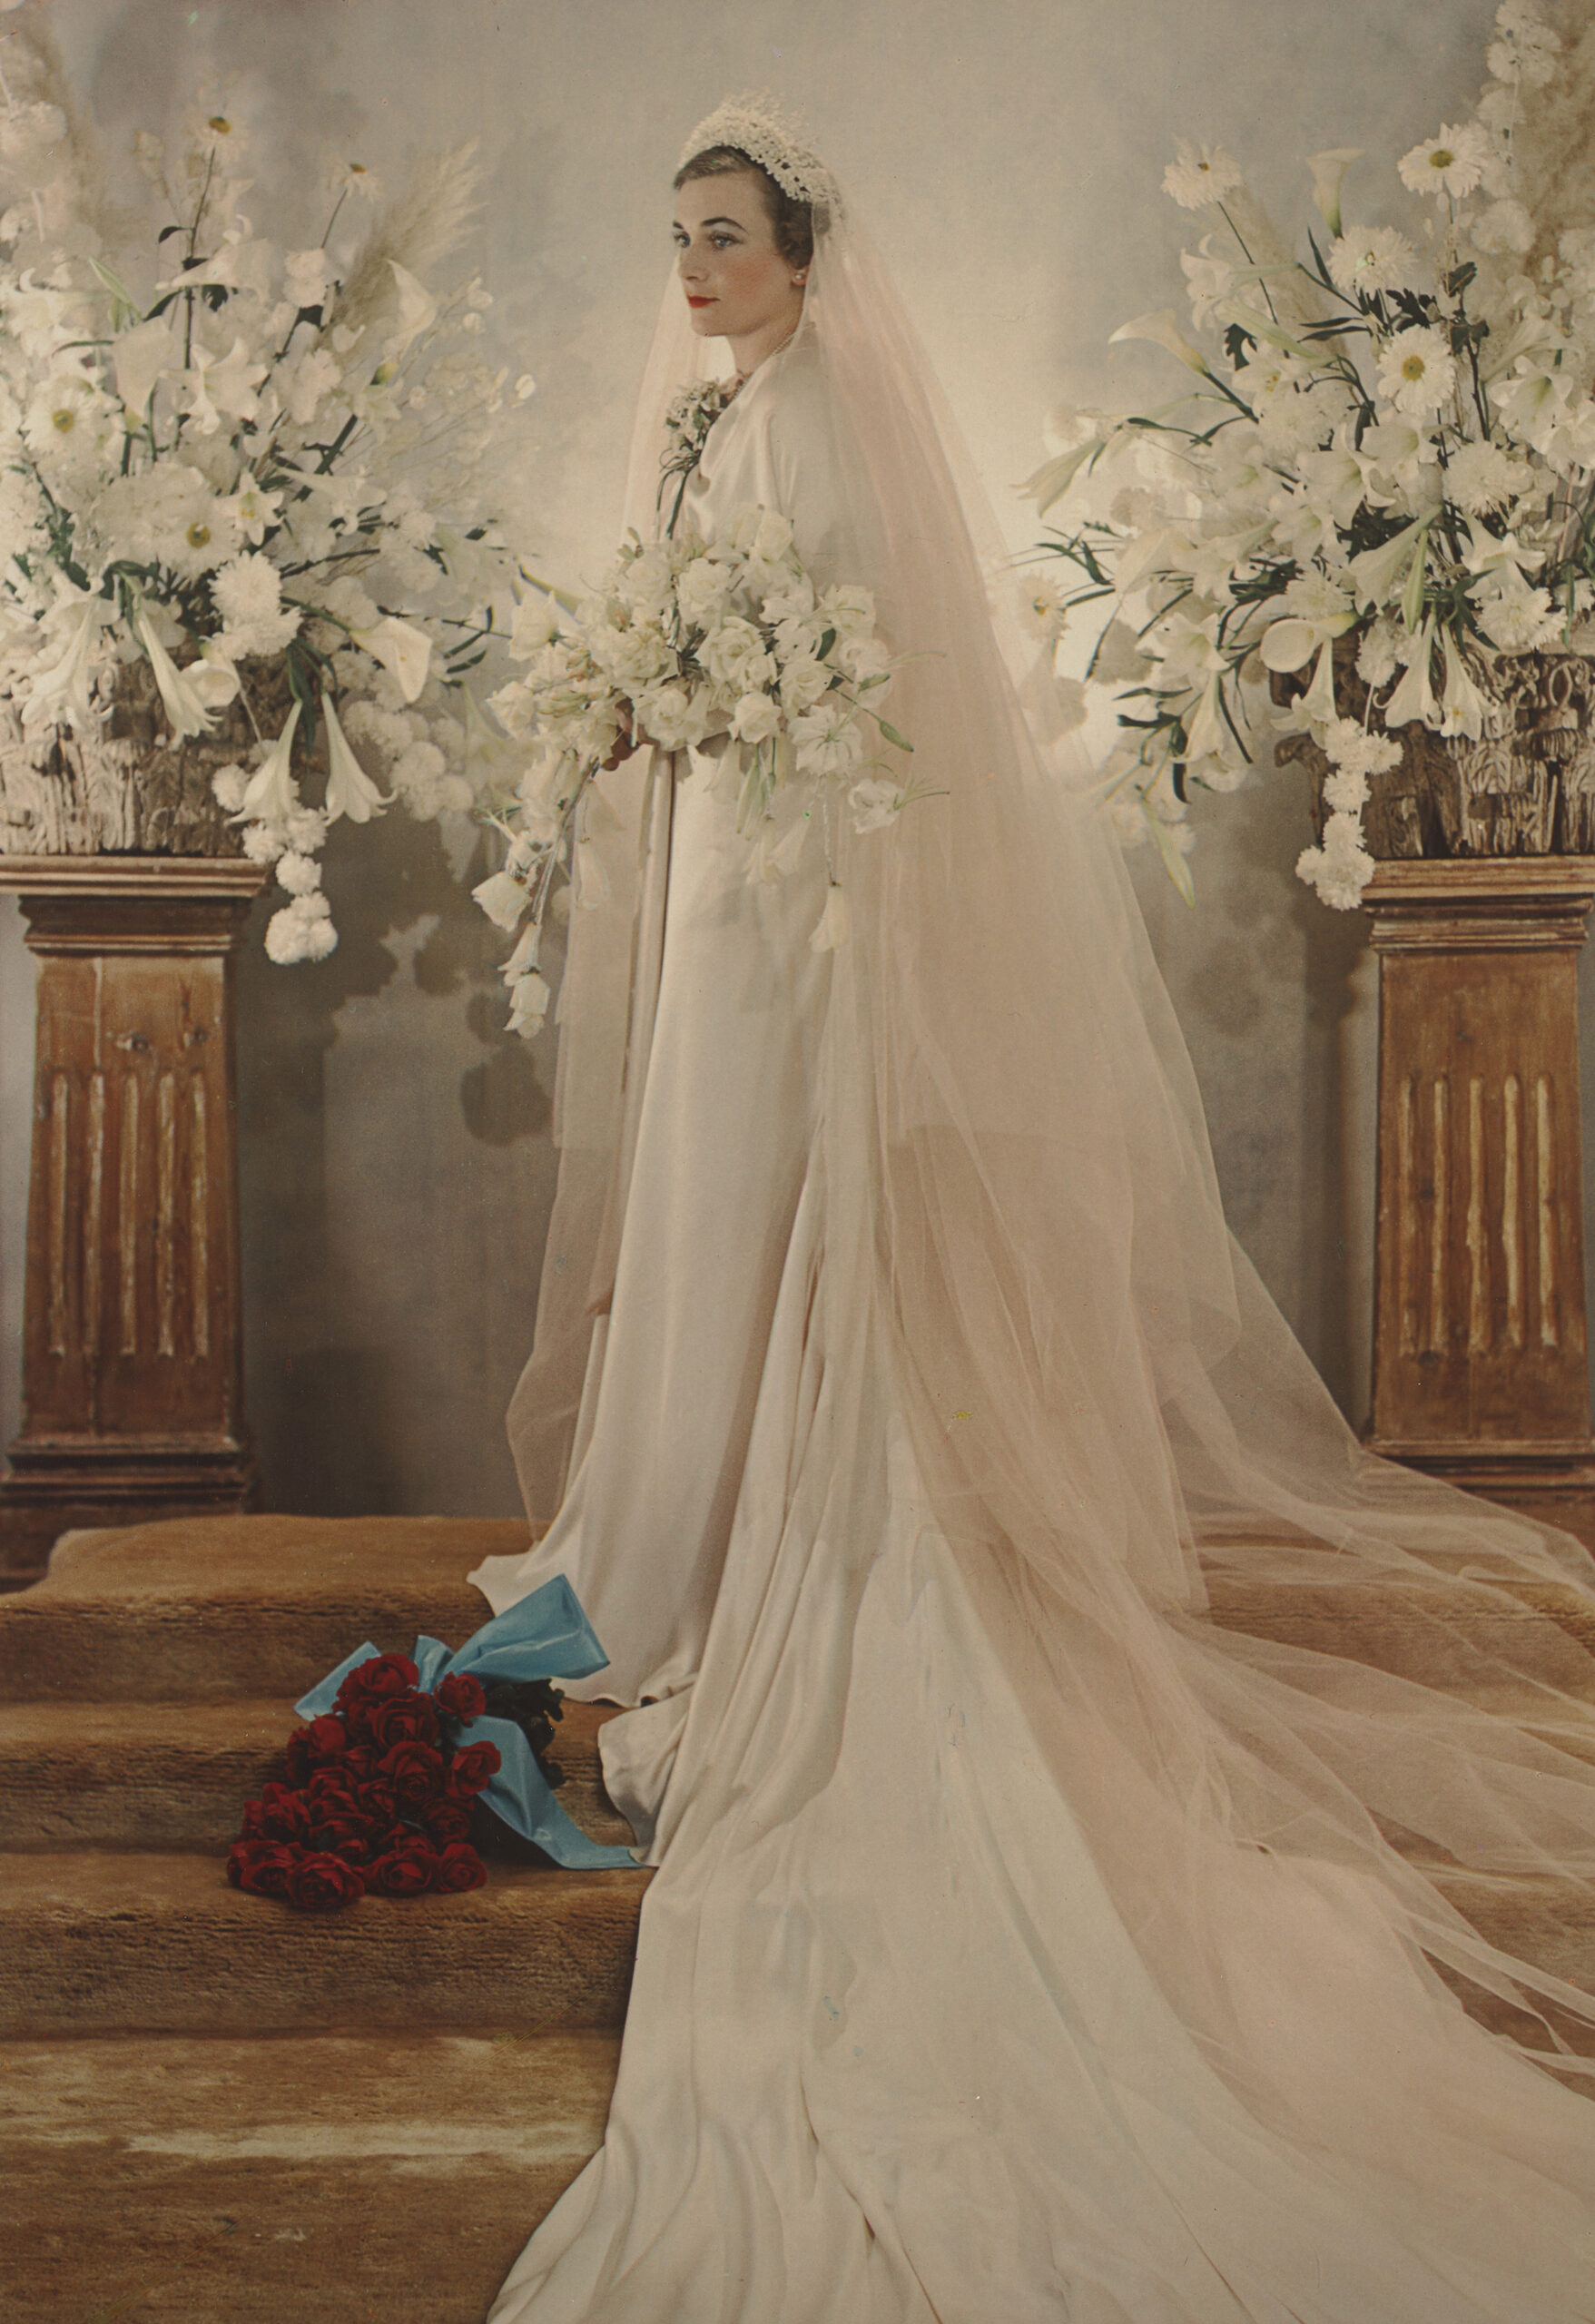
(1479, 1358)
(133, 1381)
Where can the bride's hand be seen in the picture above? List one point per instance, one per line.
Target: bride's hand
(626, 743)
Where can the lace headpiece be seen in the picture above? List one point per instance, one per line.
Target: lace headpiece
(756, 128)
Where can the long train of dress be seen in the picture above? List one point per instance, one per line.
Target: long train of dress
(899, 2047)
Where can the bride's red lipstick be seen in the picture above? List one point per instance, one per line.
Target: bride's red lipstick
(698, 302)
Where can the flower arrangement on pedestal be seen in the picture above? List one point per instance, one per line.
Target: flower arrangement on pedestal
(1385, 462)
(225, 463)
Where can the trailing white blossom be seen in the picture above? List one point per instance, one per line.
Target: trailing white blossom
(1390, 443)
(684, 644)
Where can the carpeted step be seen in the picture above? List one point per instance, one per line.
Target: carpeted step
(101, 1942)
(1384, 1621)
(258, 1608)
(338, 2178)
(176, 1774)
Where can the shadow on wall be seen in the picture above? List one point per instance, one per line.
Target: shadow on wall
(395, 1166)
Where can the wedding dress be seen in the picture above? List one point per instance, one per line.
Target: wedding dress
(1023, 1945)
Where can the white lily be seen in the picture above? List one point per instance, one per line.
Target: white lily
(1203, 722)
(1290, 643)
(529, 1005)
(1413, 698)
(1162, 331)
(185, 710)
(273, 795)
(1374, 572)
(834, 924)
(523, 960)
(139, 356)
(59, 691)
(502, 898)
(1328, 170)
(404, 652)
(1465, 706)
(350, 789)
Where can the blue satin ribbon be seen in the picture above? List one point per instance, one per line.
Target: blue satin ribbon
(545, 1636)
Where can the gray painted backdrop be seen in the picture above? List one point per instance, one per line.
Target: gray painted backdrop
(1007, 154)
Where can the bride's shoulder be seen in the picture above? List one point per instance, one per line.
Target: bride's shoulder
(798, 414)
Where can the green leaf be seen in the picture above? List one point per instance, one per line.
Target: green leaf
(826, 642)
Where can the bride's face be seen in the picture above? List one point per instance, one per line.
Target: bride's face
(737, 285)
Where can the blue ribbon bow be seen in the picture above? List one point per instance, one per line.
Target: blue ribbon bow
(545, 1636)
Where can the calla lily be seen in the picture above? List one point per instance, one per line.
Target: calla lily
(139, 356)
(1288, 645)
(59, 692)
(212, 679)
(350, 789)
(1413, 698)
(404, 652)
(184, 709)
(1328, 169)
(273, 795)
(1465, 706)
(1374, 574)
(503, 899)
(1162, 331)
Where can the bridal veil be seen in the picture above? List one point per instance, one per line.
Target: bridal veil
(1109, 1421)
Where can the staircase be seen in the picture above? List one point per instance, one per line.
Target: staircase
(218, 2110)
(221, 2111)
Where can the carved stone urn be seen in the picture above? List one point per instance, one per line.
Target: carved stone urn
(1478, 912)
(135, 893)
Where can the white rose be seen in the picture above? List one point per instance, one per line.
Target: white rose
(760, 534)
(700, 591)
(803, 684)
(756, 717)
(735, 657)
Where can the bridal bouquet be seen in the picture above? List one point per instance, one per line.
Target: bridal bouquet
(727, 648)
(1390, 443)
(237, 460)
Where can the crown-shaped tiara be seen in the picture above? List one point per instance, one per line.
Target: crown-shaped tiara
(755, 126)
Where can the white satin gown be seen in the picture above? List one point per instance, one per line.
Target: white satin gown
(893, 2054)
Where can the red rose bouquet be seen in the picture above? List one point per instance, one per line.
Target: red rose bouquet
(377, 1797)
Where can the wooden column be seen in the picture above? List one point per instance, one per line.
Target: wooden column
(1480, 1350)
(132, 1377)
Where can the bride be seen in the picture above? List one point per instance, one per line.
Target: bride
(1023, 1942)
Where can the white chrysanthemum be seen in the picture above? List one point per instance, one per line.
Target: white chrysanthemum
(1481, 476)
(1341, 868)
(69, 424)
(1452, 164)
(1521, 619)
(1505, 228)
(1200, 174)
(301, 931)
(1417, 371)
(262, 842)
(1372, 259)
(300, 874)
(248, 595)
(1378, 655)
(1359, 752)
(227, 786)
